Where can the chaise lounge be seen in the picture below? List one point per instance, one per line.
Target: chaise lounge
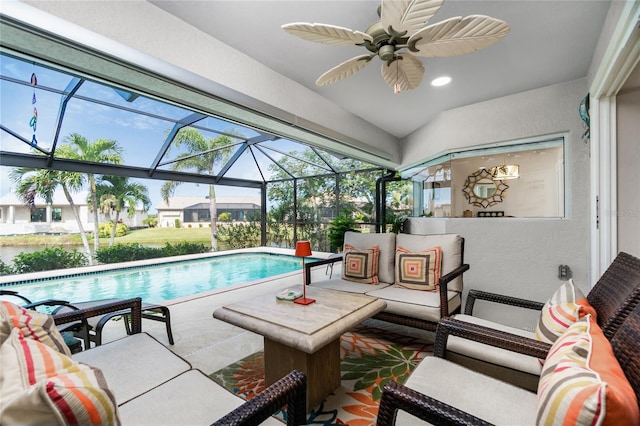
(135, 379)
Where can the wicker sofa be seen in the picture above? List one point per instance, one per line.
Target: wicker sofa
(415, 308)
(145, 380)
(603, 390)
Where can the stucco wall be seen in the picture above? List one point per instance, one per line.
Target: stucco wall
(515, 255)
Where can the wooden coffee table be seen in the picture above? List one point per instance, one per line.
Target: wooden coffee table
(303, 337)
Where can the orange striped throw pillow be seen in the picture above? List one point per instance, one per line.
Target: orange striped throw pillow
(418, 271)
(566, 306)
(33, 325)
(582, 382)
(360, 265)
(40, 385)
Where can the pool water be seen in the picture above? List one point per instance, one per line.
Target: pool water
(164, 281)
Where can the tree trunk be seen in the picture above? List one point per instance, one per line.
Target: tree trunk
(94, 201)
(213, 211)
(83, 234)
(113, 230)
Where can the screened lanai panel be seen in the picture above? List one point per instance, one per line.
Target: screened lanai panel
(199, 149)
(139, 136)
(31, 96)
(249, 165)
(151, 134)
(294, 160)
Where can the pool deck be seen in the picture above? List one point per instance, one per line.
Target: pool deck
(210, 344)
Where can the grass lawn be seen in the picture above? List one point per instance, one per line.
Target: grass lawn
(146, 236)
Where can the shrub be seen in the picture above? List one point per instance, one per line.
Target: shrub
(5, 269)
(240, 235)
(48, 259)
(177, 223)
(127, 253)
(151, 221)
(337, 227)
(224, 217)
(131, 252)
(104, 229)
(180, 249)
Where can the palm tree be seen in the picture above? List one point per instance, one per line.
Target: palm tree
(42, 183)
(212, 151)
(100, 151)
(122, 194)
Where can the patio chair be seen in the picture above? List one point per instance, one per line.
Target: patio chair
(69, 331)
(444, 393)
(93, 330)
(492, 348)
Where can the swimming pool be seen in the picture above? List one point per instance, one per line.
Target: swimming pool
(162, 282)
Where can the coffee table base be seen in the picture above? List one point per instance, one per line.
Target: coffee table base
(321, 367)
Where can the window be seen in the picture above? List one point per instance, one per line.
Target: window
(468, 183)
(39, 214)
(56, 214)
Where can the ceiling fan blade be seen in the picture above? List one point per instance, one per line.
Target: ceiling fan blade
(457, 36)
(408, 15)
(327, 34)
(344, 70)
(407, 72)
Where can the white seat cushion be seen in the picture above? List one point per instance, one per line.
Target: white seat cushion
(491, 354)
(348, 286)
(484, 397)
(414, 303)
(134, 364)
(192, 398)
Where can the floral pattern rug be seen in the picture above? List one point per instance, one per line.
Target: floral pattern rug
(369, 358)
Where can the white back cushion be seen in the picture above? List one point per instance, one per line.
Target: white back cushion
(451, 245)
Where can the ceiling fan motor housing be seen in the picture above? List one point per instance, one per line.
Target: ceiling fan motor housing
(387, 52)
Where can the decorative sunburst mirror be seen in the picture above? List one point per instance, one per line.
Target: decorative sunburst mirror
(481, 190)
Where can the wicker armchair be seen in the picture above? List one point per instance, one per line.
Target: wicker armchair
(440, 400)
(488, 347)
(290, 390)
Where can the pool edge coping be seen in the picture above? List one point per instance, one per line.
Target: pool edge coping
(16, 279)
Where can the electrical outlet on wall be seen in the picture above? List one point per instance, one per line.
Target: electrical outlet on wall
(564, 272)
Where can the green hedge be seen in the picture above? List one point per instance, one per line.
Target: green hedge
(130, 252)
(46, 260)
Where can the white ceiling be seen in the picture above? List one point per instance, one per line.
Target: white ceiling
(549, 42)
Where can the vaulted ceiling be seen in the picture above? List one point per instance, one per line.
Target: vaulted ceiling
(549, 42)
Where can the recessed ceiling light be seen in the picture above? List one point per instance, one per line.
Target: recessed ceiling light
(441, 81)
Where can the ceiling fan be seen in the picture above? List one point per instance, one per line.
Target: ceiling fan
(401, 33)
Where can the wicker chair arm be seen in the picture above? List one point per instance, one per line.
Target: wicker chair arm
(309, 265)
(398, 397)
(290, 390)
(447, 278)
(134, 305)
(498, 298)
(488, 336)
(51, 302)
(14, 294)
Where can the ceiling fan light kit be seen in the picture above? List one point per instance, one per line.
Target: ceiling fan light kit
(399, 36)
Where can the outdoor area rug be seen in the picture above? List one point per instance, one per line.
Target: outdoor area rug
(369, 358)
